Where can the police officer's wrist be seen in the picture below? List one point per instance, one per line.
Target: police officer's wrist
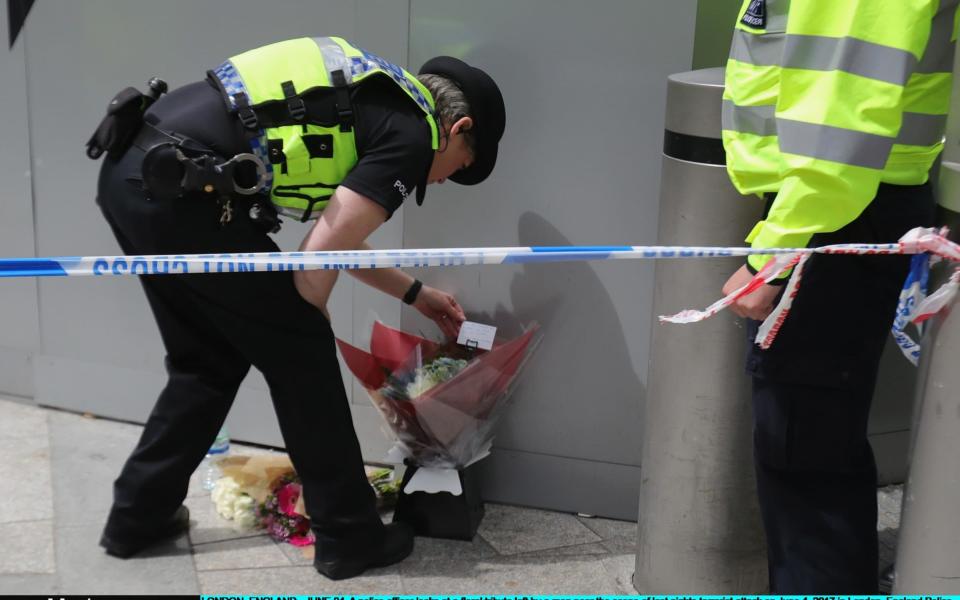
(775, 282)
(411, 296)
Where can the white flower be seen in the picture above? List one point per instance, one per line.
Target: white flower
(421, 383)
(225, 507)
(232, 504)
(224, 486)
(243, 512)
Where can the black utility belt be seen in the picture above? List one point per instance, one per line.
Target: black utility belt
(174, 164)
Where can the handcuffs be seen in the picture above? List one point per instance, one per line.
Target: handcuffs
(172, 167)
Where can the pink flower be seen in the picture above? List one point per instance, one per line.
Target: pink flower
(287, 497)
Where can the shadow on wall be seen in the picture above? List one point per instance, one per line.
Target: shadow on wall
(582, 377)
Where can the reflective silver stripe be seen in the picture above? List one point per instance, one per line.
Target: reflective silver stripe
(938, 56)
(820, 53)
(850, 55)
(919, 129)
(777, 11)
(333, 57)
(757, 120)
(760, 50)
(834, 144)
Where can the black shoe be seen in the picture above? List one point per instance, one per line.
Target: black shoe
(396, 545)
(887, 577)
(125, 548)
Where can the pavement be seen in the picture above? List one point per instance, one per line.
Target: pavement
(57, 470)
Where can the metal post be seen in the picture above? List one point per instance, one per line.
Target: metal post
(699, 524)
(928, 549)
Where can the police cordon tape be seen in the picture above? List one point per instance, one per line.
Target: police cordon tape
(915, 306)
(374, 259)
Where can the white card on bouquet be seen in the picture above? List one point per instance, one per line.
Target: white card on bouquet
(476, 335)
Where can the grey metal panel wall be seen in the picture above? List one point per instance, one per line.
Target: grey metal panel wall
(100, 347)
(19, 321)
(584, 86)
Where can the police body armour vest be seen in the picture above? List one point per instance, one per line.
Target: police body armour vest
(308, 147)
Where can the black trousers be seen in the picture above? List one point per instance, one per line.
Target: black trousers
(816, 476)
(214, 327)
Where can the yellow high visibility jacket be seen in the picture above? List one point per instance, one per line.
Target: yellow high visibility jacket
(826, 99)
(307, 155)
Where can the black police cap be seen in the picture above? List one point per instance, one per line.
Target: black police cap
(487, 111)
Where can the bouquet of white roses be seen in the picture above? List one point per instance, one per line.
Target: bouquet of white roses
(233, 504)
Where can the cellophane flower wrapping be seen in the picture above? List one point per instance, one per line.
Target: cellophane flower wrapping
(441, 401)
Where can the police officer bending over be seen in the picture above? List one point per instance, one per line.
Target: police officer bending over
(309, 129)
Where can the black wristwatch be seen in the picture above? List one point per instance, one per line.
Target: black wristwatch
(411, 296)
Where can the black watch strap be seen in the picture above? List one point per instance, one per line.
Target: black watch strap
(411, 296)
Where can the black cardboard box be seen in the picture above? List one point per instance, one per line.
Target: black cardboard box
(442, 515)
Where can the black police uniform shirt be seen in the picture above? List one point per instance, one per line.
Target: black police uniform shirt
(392, 136)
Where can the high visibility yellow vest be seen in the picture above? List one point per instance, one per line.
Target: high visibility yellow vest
(826, 99)
(307, 154)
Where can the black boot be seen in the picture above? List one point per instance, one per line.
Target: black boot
(127, 544)
(394, 544)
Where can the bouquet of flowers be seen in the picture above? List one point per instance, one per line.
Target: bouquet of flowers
(281, 513)
(441, 401)
(265, 492)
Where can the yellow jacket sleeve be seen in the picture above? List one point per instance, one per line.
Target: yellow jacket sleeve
(844, 69)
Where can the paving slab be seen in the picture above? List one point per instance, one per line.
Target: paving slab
(514, 530)
(621, 568)
(25, 472)
(299, 556)
(889, 502)
(620, 546)
(426, 549)
(27, 548)
(609, 529)
(87, 455)
(84, 568)
(296, 581)
(20, 420)
(246, 553)
(32, 584)
(590, 549)
(510, 575)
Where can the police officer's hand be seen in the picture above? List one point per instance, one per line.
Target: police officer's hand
(757, 305)
(442, 308)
